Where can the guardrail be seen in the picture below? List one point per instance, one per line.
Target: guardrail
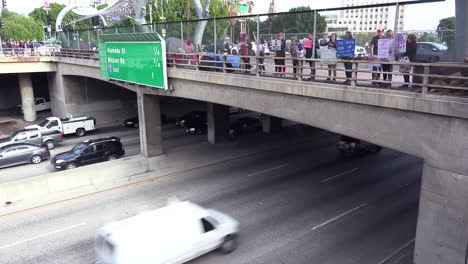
(427, 78)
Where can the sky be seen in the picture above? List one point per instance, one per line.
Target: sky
(426, 16)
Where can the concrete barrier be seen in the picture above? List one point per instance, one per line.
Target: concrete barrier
(30, 192)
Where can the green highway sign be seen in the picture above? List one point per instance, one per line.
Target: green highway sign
(136, 62)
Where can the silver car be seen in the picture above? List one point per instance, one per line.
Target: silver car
(16, 154)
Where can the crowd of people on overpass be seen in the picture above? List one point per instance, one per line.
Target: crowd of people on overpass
(16, 48)
(308, 54)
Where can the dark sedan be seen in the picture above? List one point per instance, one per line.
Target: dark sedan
(134, 122)
(196, 127)
(191, 117)
(244, 125)
(21, 153)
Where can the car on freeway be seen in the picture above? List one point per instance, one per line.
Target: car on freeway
(244, 125)
(88, 152)
(348, 145)
(176, 233)
(190, 116)
(430, 52)
(21, 153)
(133, 122)
(33, 136)
(196, 126)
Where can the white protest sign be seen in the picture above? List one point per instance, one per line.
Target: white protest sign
(327, 55)
(384, 46)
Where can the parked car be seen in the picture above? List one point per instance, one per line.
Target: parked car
(47, 49)
(181, 121)
(360, 52)
(70, 125)
(21, 153)
(176, 233)
(430, 51)
(244, 125)
(133, 122)
(33, 136)
(40, 104)
(88, 152)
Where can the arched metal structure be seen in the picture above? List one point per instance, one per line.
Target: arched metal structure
(117, 11)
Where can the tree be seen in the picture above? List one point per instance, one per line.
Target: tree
(296, 22)
(446, 30)
(19, 27)
(426, 37)
(40, 15)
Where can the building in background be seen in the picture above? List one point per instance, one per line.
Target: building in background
(365, 19)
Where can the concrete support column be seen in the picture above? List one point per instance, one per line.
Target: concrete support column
(461, 34)
(218, 120)
(271, 124)
(442, 231)
(27, 96)
(149, 115)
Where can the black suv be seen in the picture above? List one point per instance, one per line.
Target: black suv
(89, 151)
(191, 117)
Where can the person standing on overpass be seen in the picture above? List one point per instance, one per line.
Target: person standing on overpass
(374, 52)
(309, 47)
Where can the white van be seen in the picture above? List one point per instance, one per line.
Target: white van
(176, 233)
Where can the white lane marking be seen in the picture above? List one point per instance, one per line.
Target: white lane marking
(128, 139)
(41, 236)
(338, 217)
(396, 251)
(129, 150)
(341, 174)
(260, 172)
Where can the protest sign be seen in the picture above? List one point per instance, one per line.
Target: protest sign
(400, 43)
(384, 46)
(345, 48)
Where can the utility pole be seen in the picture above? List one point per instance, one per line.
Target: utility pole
(48, 19)
(187, 30)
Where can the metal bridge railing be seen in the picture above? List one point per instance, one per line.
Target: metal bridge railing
(427, 78)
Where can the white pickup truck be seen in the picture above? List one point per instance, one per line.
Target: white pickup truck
(40, 104)
(71, 125)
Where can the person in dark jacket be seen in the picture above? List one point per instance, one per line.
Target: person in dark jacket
(280, 54)
(411, 49)
(309, 48)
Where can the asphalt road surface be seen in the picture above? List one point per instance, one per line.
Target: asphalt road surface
(299, 204)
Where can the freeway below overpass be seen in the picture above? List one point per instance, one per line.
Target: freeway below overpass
(296, 204)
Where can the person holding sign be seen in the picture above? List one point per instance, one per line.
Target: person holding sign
(374, 52)
(390, 56)
(331, 44)
(279, 46)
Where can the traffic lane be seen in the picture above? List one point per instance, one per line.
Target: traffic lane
(95, 213)
(365, 236)
(145, 198)
(272, 216)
